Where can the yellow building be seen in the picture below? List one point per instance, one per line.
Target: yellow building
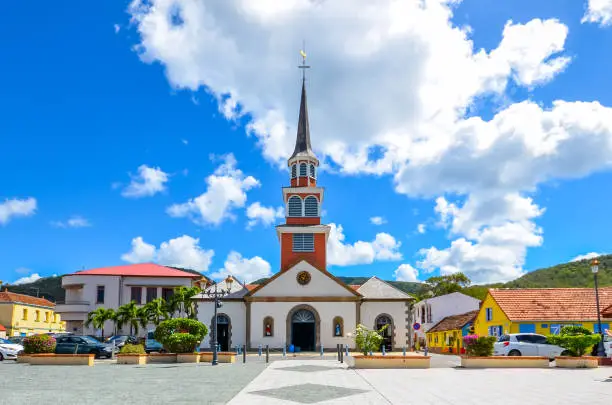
(541, 310)
(447, 335)
(23, 315)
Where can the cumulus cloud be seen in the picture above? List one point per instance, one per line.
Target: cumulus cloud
(598, 11)
(244, 269)
(226, 190)
(425, 75)
(421, 228)
(183, 251)
(266, 216)
(586, 256)
(149, 181)
(339, 253)
(13, 208)
(378, 220)
(27, 279)
(75, 221)
(406, 272)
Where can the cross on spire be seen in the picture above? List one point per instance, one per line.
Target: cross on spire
(303, 66)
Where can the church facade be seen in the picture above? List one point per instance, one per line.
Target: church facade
(304, 306)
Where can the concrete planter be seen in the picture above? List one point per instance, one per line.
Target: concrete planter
(577, 362)
(389, 361)
(23, 358)
(188, 358)
(161, 358)
(139, 359)
(505, 362)
(49, 359)
(222, 357)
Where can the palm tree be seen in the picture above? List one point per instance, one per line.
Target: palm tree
(98, 318)
(129, 314)
(184, 303)
(155, 310)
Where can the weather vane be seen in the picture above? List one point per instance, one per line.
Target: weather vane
(303, 66)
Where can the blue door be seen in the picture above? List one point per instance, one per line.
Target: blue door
(527, 328)
(604, 326)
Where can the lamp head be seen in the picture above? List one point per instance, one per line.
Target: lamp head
(228, 282)
(594, 266)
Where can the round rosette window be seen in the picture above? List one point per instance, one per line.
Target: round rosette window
(303, 277)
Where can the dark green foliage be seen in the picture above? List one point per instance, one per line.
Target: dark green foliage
(171, 333)
(48, 287)
(132, 349)
(575, 339)
(479, 346)
(39, 344)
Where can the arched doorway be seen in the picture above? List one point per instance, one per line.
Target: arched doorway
(303, 328)
(223, 332)
(382, 320)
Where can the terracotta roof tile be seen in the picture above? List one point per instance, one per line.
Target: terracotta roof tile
(137, 270)
(251, 286)
(454, 322)
(355, 286)
(6, 296)
(607, 312)
(2, 328)
(551, 304)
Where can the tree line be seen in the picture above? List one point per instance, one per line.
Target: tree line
(154, 312)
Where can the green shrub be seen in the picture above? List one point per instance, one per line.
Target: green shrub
(132, 349)
(575, 339)
(479, 346)
(39, 344)
(180, 335)
(368, 340)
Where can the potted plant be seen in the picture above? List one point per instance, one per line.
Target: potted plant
(577, 341)
(479, 354)
(368, 341)
(132, 354)
(180, 337)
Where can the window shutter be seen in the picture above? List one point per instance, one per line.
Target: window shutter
(295, 206)
(303, 170)
(311, 206)
(293, 171)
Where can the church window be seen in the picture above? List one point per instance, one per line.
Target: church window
(338, 326)
(295, 206)
(268, 326)
(293, 171)
(303, 170)
(312, 171)
(303, 242)
(311, 206)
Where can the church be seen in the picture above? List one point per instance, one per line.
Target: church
(303, 306)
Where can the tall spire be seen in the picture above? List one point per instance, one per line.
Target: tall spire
(302, 141)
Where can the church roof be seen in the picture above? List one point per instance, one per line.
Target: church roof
(376, 288)
(302, 141)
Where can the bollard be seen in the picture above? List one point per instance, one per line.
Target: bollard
(244, 353)
(383, 350)
(404, 351)
(284, 351)
(341, 355)
(347, 352)
(321, 350)
(237, 350)
(267, 353)
(338, 351)
(370, 352)
(426, 350)
(259, 350)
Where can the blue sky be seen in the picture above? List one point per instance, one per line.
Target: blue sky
(418, 119)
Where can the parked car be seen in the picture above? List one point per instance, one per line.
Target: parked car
(120, 340)
(152, 345)
(16, 339)
(9, 350)
(526, 344)
(82, 345)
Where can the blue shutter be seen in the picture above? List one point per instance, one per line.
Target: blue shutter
(293, 171)
(295, 206)
(312, 171)
(604, 326)
(303, 170)
(527, 328)
(311, 206)
(555, 329)
(303, 242)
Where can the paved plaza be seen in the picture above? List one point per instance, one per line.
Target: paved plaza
(298, 380)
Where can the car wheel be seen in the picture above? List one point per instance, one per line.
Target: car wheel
(565, 353)
(1, 357)
(514, 353)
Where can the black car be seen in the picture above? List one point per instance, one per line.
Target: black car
(121, 340)
(71, 344)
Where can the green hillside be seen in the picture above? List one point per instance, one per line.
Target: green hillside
(48, 287)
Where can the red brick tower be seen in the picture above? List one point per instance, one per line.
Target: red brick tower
(302, 237)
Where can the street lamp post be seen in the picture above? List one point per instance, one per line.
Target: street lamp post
(601, 351)
(216, 296)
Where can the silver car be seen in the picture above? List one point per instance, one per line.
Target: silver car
(526, 344)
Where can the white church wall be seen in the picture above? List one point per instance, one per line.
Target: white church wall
(236, 311)
(397, 310)
(286, 285)
(279, 311)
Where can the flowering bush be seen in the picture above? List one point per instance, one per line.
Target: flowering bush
(368, 340)
(481, 346)
(39, 344)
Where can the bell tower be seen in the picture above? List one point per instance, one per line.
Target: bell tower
(303, 237)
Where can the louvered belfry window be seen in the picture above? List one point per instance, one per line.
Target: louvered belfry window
(303, 170)
(311, 206)
(295, 206)
(303, 242)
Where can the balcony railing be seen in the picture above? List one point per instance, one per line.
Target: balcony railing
(72, 302)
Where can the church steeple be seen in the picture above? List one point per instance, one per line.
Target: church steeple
(302, 141)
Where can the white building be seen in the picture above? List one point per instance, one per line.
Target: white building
(303, 305)
(430, 311)
(111, 287)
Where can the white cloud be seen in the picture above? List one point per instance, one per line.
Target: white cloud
(378, 220)
(339, 253)
(183, 251)
(421, 228)
(424, 74)
(75, 221)
(149, 181)
(258, 213)
(244, 269)
(117, 28)
(598, 11)
(13, 208)
(406, 272)
(587, 256)
(28, 279)
(226, 190)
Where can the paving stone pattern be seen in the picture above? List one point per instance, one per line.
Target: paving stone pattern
(309, 393)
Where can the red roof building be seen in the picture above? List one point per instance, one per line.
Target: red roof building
(137, 270)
